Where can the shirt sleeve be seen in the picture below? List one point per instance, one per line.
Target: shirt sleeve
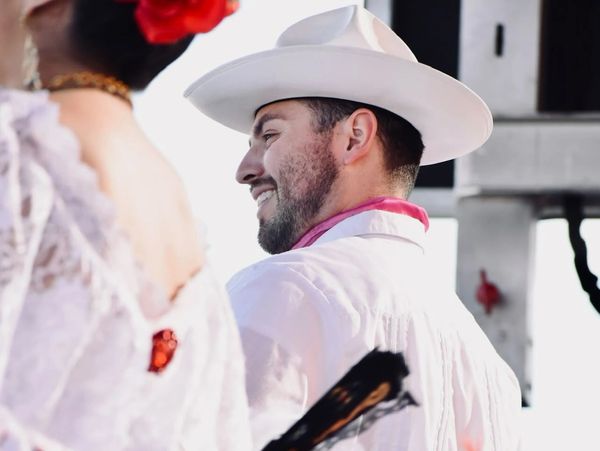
(287, 348)
(487, 396)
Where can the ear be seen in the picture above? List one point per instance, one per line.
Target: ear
(361, 130)
(57, 12)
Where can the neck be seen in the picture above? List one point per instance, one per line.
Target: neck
(99, 121)
(12, 40)
(350, 195)
(364, 179)
(341, 201)
(92, 101)
(49, 25)
(53, 64)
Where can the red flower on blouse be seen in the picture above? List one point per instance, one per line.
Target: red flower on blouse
(167, 21)
(164, 343)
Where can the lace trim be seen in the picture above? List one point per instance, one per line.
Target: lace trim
(79, 199)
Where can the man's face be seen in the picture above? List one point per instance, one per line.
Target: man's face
(290, 170)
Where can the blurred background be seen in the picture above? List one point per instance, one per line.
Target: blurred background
(502, 209)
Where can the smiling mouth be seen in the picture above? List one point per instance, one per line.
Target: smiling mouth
(265, 196)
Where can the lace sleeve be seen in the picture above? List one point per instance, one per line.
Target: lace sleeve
(25, 204)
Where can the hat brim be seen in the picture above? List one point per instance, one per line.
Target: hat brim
(452, 119)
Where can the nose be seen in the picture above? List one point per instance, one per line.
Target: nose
(250, 168)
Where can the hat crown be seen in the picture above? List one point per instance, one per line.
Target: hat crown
(349, 26)
(348, 53)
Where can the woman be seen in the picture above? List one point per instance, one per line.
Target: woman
(114, 335)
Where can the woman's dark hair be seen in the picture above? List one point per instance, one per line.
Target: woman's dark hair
(106, 38)
(401, 141)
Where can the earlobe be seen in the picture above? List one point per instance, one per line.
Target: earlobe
(361, 127)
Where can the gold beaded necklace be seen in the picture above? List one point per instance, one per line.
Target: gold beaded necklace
(93, 80)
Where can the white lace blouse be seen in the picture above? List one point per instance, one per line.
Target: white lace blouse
(77, 316)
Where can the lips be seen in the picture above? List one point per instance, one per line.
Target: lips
(260, 186)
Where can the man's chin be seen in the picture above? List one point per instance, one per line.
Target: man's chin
(269, 245)
(275, 238)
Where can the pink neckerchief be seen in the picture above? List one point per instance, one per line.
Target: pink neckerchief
(386, 203)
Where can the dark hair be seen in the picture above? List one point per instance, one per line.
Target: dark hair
(402, 144)
(105, 37)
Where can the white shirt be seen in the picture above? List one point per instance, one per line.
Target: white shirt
(77, 315)
(306, 316)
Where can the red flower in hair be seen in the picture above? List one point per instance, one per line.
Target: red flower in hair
(167, 21)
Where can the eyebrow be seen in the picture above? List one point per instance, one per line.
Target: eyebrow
(258, 127)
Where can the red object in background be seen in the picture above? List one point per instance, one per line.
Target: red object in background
(487, 294)
(164, 343)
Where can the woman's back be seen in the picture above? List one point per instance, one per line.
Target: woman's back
(98, 348)
(151, 205)
(92, 355)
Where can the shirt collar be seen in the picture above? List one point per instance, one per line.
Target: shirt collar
(394, 217)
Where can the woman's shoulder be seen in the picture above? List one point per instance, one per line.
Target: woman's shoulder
(43, 173)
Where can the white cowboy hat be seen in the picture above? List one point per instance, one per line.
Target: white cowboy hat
(348, 53)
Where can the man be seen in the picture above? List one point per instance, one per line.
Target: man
(341, 116)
